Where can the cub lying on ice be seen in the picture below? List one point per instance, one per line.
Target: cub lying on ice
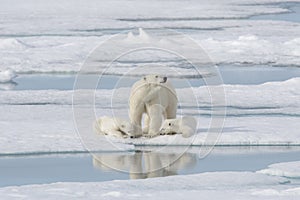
(114, 126)
(185, 126)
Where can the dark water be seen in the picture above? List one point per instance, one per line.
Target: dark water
(142, 164)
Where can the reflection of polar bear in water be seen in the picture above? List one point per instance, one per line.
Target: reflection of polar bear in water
(154, 96)
(185, 126)
(155, 164)
(113, 126)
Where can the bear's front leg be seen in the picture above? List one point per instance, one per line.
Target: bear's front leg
(135, 116)
(155, 113)
(146, 124)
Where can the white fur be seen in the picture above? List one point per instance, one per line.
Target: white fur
(154, 96)
(114, 126)
(185, 126)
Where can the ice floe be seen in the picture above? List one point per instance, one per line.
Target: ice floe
(286, 169)
(224, 36)
(216, 185)
(42, 120)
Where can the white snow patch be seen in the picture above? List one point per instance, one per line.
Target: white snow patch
(213, 185)
(252, 49)
(7, 76)
(7, 86)
(10, 44)
(246, 42)
(286, 169)
(112, 194)
(293, 192)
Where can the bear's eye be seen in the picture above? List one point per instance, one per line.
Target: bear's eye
(123, 126)
(156, 76)
(144, 78)
(170, 124)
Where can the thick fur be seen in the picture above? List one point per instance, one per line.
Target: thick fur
(185, 126)
(154, 97)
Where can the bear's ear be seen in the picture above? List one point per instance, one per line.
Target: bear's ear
(122, 126)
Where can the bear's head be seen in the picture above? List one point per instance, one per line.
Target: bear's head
(154, 79)
(126, 127)
(170, 126)
(129, 129)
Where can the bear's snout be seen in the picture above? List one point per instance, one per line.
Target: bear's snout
(164, 79)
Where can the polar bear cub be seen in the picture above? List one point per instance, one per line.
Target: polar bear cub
(185, 126)
(114, 126)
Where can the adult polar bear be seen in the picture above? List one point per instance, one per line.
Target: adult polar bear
(154, 96)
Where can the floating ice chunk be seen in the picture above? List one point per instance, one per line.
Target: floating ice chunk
(7, 86)
(257, 115)
(286, 169)
(7, 76)
(213, 185)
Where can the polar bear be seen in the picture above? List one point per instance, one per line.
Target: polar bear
(114, 126)
(154, 96)
(185, 126)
